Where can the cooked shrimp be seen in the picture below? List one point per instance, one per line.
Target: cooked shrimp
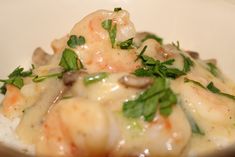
(162, 137)
(109, 92)
(77, 127)
(97, 54)
(213, 113)
(13, 103)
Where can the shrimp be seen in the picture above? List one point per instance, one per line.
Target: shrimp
(13, 103)
(111, 93)
(213, 113)
(77, 127)
(97, 54)
(161, 137)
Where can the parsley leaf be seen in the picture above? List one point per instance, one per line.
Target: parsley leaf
(126, 44)
(94, 78)
(193, 124)
(69, 61)
(188, 63)
(112, 30)
(141, 53)
(117, 9)
(75, 41)
(15, 78)
(214, 89)
(194, 82)
(112, 34)
(153, 36)
(107, 24)
(42, 78)
(154, 67)
(213, 69)
(147, 103)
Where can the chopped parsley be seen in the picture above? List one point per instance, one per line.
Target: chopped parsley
(15, 78)
(141, 53)
(215, 90)
(126, 44)
(42, 78)
(112, 30)
(153, 36)
(213, 69)
(194, 82)
(70, 61)
(117, 9)
(158, 96)
(94, 78)
(152, 67)
(75, 41)
(188, 63)
(193, 124)
(211, 87)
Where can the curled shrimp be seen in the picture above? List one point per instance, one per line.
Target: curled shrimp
(13, 102)
(76, 127)
(98, 54)
(161, 137)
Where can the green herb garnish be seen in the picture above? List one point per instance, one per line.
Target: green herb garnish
(126, 44)
(70, 61)
(158, 96)
(75, 41)
(112, 30)
(15, 78)
(215, 90)
(153, 36)
(194, 126)
(152, 67)
(188, 63)
(213, 69)
(112, 34)
(94, 78)
(117, 9)
(194, 82)
(42, 78)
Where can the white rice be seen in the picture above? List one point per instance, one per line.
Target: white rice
(9, 138)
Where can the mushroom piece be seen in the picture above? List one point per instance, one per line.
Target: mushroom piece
(135, 82)
(40, 57)
(70, 77)
(193, 54)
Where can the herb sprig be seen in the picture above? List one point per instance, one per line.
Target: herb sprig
(15, 78)
(89, 79)
(158, 96)
(75, 41)
(211, 87)
(112, 30)
(213, 69)
(70, 61)
(152, 67)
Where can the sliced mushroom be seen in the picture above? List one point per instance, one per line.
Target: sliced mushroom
(69, 78)
(193, 54)
(40, 57)
(135, 82)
